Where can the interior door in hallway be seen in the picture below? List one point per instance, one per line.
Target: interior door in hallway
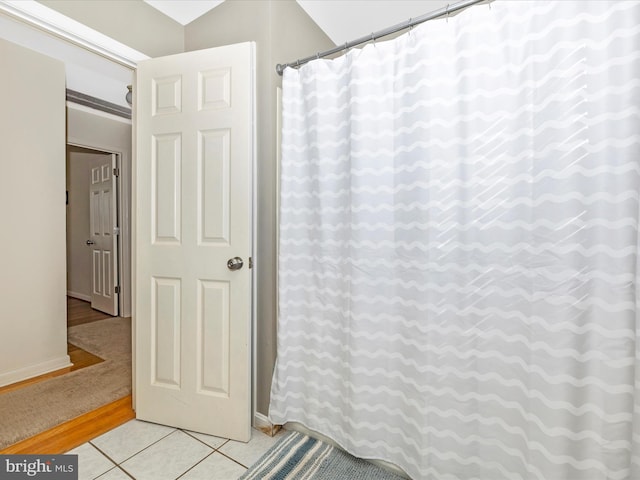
(193, 217)
(103, 238)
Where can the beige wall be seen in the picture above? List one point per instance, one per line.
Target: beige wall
(131, 22)
(282, 31)
(32, 208)
(79, 272)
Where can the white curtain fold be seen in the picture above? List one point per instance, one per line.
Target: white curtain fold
(458, 268)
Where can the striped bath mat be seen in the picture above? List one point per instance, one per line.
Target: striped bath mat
(300, 457)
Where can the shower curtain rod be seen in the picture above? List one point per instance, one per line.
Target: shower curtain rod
(441, 12)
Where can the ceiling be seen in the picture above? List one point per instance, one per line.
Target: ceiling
(341, 20)
(184, 11)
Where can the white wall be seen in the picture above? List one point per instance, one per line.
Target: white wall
(108, 133)
(79, 270)
(32, 207)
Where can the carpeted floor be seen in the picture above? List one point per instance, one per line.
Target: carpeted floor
(36, 408)
(299, 457)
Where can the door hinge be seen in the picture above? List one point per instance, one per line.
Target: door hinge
(116, 172)
(250, 262)
(117, 289)
(116, 230)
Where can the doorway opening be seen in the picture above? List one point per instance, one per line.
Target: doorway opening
(93, 228)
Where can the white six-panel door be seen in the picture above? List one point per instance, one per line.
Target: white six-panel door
(193, 209)
(103, 239)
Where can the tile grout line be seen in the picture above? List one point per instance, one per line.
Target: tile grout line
(115, 465)
(232, 459)
(215, 449)
(90, 442)
(196, 464)
(125, 472)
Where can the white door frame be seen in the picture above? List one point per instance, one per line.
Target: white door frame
(120, 215)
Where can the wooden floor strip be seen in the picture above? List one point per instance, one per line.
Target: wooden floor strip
(73, 433)
(81, 358)
(80, 312)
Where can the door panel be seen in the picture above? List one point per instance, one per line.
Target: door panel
(103, 223)
(165, 332)
(213, 203)
(213, 327)
(193, 182)
(166, 166)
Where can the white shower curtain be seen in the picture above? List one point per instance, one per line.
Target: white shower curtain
(459, 245)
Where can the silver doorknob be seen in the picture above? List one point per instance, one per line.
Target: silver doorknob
(90, 242)
(235, 263)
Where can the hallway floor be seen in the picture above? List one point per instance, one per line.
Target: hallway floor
(141, 450)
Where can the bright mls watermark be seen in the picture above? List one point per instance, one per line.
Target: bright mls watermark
(50, 467)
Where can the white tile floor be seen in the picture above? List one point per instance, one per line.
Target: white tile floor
(142, 451)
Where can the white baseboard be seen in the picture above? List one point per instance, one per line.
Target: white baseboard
(262, 423)
(80, 296)
(31, 371)
(299, 427)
